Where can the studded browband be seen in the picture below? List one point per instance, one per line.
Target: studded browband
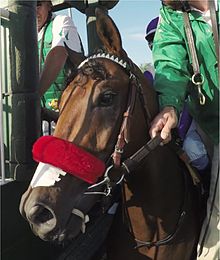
(108, 56)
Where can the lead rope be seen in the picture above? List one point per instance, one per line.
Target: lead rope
(197, 77)
(129, 165)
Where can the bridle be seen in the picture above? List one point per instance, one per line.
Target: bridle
(130, 163)
(123, 137)
(135, 87)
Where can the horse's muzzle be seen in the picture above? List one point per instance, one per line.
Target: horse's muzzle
(42, 221)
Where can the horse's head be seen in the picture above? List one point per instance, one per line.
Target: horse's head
(101, 102)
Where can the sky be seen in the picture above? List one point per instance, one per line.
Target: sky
(131, 18)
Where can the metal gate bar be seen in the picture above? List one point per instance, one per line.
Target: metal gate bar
(4, 50)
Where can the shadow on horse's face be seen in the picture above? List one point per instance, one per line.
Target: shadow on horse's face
(91, 111)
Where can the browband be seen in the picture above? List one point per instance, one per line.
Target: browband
(108, 56)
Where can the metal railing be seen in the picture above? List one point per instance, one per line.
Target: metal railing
(5, 105)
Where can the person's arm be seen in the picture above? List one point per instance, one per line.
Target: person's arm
(54, 62)
(64, 35)
(172, 72)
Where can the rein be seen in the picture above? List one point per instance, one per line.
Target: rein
(170, 237)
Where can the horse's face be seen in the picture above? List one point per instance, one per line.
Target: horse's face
(92, 107)
(91, 113)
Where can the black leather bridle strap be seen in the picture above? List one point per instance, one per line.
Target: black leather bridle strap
(168, 239)
(129, 165)
(132, 162)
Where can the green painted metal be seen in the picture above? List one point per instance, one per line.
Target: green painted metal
(22, 90)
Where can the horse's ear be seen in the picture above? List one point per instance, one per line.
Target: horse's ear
(108, 33)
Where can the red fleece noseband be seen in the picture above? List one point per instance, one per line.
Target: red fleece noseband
(68, 157)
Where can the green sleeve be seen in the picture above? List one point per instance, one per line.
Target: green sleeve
(172, 72)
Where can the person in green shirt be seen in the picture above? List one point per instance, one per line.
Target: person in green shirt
(173, 72)
(187, 128)
(60, 50)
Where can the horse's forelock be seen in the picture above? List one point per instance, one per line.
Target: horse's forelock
(94, 69)
(91, 69)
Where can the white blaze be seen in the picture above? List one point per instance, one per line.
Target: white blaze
(46, 175)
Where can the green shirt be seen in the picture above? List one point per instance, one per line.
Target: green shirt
(54, 92)
(173, 68)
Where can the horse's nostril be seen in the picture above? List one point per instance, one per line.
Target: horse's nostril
(39, 215)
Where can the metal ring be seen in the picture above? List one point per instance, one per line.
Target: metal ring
(118, 150)
(194, 79)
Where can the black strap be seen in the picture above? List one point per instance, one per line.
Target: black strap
(131, 163)
(170, 237)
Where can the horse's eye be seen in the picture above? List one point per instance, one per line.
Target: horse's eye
(106, 99)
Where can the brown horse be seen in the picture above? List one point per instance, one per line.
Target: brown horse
(158, 218)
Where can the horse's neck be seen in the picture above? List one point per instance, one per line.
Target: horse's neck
(156, 188)
(154, 193)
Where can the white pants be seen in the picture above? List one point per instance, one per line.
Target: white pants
(48, 128)
(210, 233)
